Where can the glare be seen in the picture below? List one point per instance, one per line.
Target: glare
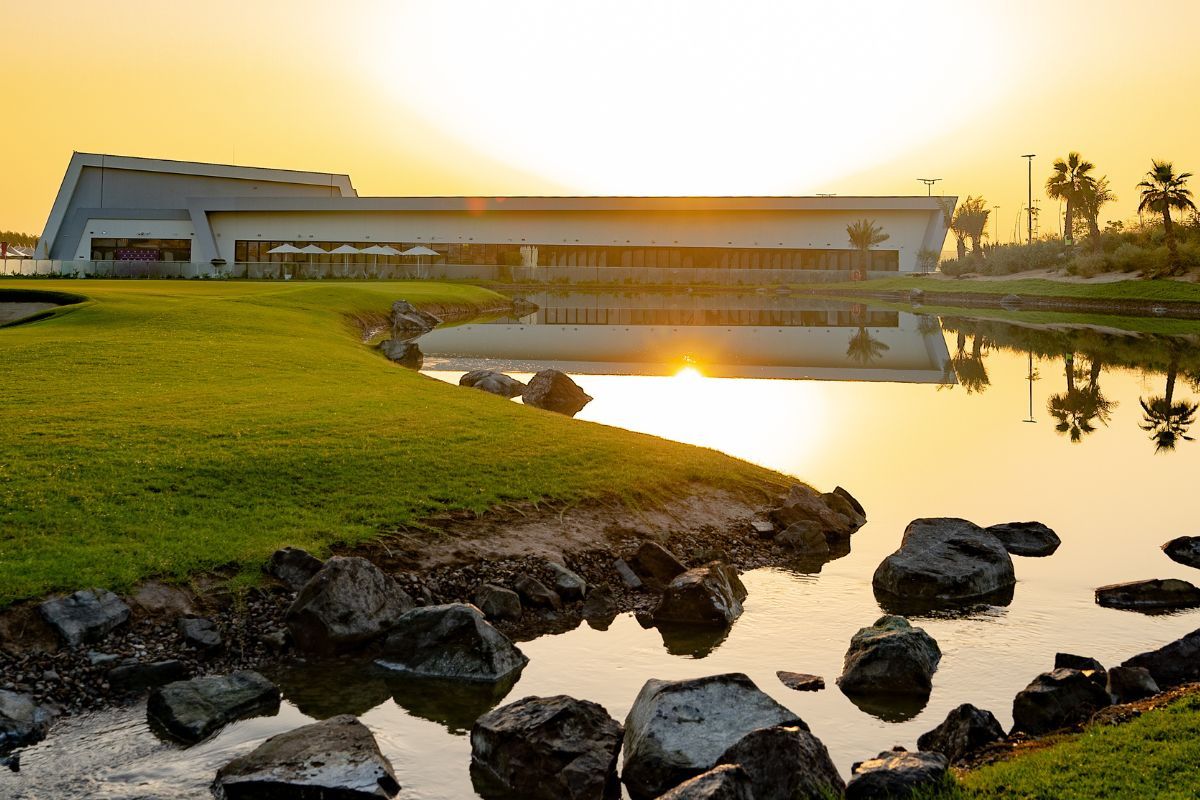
(689, 374)
(686, 97)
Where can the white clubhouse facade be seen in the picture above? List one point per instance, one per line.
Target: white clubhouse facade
(124, 210)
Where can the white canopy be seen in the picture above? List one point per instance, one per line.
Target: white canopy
(314, 250)
(420, 250)
(284, 248)
(376, 250)
(345, 250)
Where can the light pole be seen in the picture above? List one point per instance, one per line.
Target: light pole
(929, 182)
(1029, 157)
(996, 217)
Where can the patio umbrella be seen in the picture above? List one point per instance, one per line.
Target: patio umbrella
(345, 250)
(418, 251)
(376, 251)
(313, 250)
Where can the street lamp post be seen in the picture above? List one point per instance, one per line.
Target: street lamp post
(996, 218)
(1029, 157)
(929, 182)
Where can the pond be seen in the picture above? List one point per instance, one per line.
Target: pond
(1078, 423)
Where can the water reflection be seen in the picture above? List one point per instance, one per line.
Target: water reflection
(692, 641)
(453, 704)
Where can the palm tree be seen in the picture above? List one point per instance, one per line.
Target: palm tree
(1068, 182)
(1163, 190)
(864, 235)
(970, 222)
(1093, 197)
(950, 218)
(1165, 420)
(863, 349)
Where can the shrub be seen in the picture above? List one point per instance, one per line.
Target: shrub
(1089, 265)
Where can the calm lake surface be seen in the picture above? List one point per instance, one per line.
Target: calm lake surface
(916, 415)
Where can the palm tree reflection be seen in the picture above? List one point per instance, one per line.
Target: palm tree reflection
(1165, 420)
(969, 367)
(864, 349)
(1077, 408)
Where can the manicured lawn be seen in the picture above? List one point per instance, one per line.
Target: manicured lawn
(1156, 755)
(168, 427)
(1032, 287)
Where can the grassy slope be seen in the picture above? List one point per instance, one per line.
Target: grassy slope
(1032, 287)
(169, 427)
(1155, 756)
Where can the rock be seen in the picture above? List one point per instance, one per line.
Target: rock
(276, 641)
(655, 564)
(535, 594)
(293, 567)
(890, 657)
(1011, 301)
(916, 295)
(849, 498)
(896, 774)
(763, 528)
(347, 603)
(546, 748)
(85, 616)
(806, 538)
(450, 641)
(833, 512)
(1057, 700)
(1031, 539)
(23, 720)
(726, 782)
(496, 602)
(1126, 684)
(158, 599)
(555, 391)
(600, 604)
(708, 595)
(786, 763)
(1088, 666)
(1157, 594)
(1173, 664)
(407, 318)
(200, 633)
(192, 710)
(335, 759)
(493, 382)
(965, 730)
(404, 352)
(567, 584)
(137, 677)
(98, 659)
(678, 729)
(800, 681)
(626, 574)
(945, 561)
(1184, 550)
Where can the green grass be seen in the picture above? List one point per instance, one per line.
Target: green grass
(1160, 290)
(163, 428)
(1156, 755)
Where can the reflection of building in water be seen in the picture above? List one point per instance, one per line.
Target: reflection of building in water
(724, 336)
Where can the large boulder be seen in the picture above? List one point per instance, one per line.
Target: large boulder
(493, 382)
(965, 730)
(335, 759)
(192, 710)
(1031, 539)
(896, 774)
(837, 514)
(786, 763)
(408, 319)
(1184, 550)
(546, 748)
(707, 595)
(726, 782)
(496, 602)
(555, 391)
(347, 603)
(85, 616)
(1156, 594)
(450, 641)
(945, 561)
(23, 720)
(655, 564)
(805, 538)
(890, 657)
(678, 729)
(1172, 664)
(293, 567)
(1057, 700)
(1127, 684)
(1085, 664)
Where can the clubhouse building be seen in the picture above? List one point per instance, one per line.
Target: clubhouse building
(119, 214)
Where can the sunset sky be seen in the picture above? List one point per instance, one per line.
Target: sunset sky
(613, 97)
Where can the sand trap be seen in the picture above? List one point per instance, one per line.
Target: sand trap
(15, 311)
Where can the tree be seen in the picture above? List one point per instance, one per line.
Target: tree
(1163, 190)
(1092, 198)
(950, 218)
(864, 235)
(971, 221)
(1069, 182)
(864, 349)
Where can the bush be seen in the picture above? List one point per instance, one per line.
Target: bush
(1089, 265)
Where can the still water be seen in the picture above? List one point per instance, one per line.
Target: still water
(1077, 423)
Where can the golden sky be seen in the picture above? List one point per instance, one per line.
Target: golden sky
(612, 97)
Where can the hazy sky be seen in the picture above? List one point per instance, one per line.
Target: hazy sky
(505, 97)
